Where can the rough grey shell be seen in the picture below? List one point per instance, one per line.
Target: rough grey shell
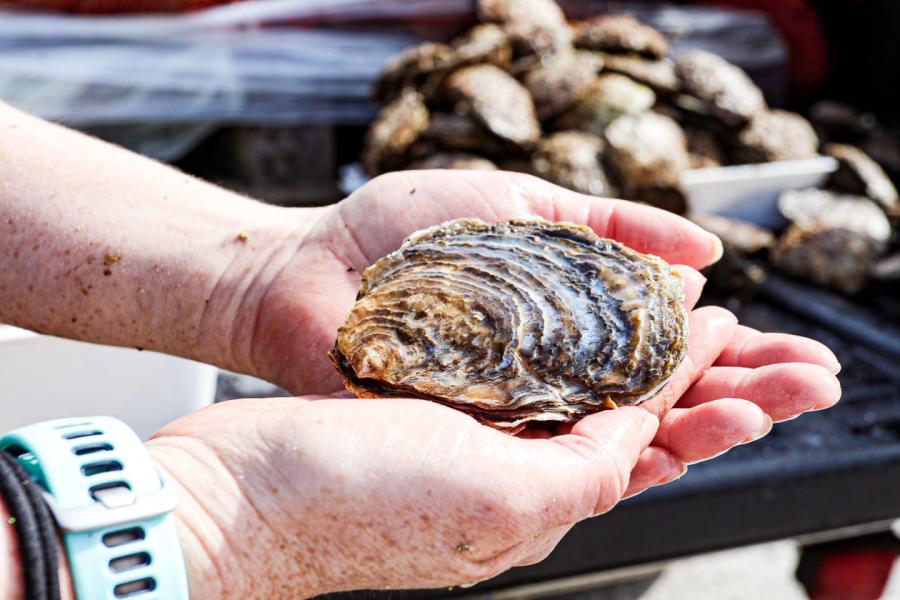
(558, 81)
(496, 100)
(859, 174)
(832, 240)
(398, 126)
(647, 149)
(620, 33)
(603, 101)
(725, 89)
(773, 135)
(514, 322)
(572, 159)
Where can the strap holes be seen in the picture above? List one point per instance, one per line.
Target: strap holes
(103, 466)
(133, 588)
(123, 536)
(91, 448)
(128, 562)
(80, 434)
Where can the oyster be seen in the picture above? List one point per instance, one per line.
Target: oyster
(734, 271)
(536, 27)
(460, 132)
(604, 100)
(558, 81)
(497, 101)
(658, 74)
(773, 135)
(704, 149)
(859, 174)
(454, 160)
(411, 67)
(514, 322)
(832, 240)
(647, 149)
(722, 89)
(572, 159)
(620, 34)
(398, 126)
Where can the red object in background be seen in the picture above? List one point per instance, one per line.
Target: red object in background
(853, 575)
(99, 7)
(800, 28)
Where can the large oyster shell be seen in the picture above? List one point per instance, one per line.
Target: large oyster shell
(773, 135)
(603, 101)
(514, 322)
(572, 159)
(394, 131)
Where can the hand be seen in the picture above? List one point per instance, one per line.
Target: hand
(757, 378)
(283, 498)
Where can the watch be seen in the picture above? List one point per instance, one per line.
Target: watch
(111, 503)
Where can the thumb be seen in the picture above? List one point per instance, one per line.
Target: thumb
(610, 443)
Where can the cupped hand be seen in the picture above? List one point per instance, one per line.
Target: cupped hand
(738, 381)
(284, 498)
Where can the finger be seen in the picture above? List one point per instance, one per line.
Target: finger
(707, 430)
(782, 391)
(610, 443)
(656, 466)
(693, 284)
(752, 348)
(709, 329)
(641, 227)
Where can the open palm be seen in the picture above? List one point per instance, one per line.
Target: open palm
(734, 382)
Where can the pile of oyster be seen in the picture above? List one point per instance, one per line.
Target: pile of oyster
(840, 236)
(597, 106)
(600, 107)
(514, 322)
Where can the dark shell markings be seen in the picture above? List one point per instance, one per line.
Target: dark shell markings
(514, 322)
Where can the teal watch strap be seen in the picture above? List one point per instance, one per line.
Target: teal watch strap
(111, 503)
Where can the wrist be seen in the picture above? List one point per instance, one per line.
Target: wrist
(258, 245)
(226, 546)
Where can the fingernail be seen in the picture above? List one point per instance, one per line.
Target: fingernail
(835, 364)
(718, 249)
(764, 427)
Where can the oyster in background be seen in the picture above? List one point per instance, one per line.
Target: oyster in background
(735, 272)
(723, 89)
(704, 149)
(411, 68)
(514, 322)
(620, 34)
(646, 149)
(658, 74)
(497, 101)
(535, 27)
(460, 132)
(398, 126)
(833, 240)
(558, 81)
(603, 101)
(773, 135)
(859, 174)
(454, 160)
(572, 159)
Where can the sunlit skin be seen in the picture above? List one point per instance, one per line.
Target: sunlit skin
(299, 496)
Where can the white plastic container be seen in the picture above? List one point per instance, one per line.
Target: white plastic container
(43, 377)
(750, 192)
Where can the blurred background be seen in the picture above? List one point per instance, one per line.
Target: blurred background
(795, 165)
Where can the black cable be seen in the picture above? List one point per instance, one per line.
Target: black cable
(34, 530)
